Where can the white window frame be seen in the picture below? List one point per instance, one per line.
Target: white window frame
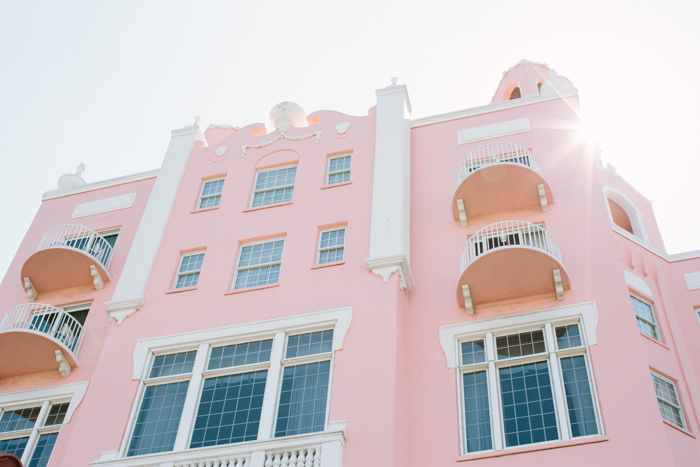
(44, 397)
(329, 173)
(678, 397)
(257, 174)
(261, 265)
(452, 337)
(203, 197)
(655, 325)
(336, 247)
(203, 341)
(179, 265)
(697, 312)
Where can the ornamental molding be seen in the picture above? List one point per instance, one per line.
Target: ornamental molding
(282, 135)
(28, 397)
(119, 310)
(385, 266)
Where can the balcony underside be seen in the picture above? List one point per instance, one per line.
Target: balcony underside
(61, 268)
(499, 188)
(510, 272)
(24, 352)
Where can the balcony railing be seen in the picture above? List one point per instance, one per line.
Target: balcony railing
(79, 238)
(507, 235)
(496, 153)
(47, 320)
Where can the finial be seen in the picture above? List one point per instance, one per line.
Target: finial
(197, 120)
(393, 80)
(81, 169)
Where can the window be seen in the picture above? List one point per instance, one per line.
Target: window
(339, 169)
(274, 186)
(259, 264)
(188, 272)
(31, 432)
(669, 405)
(272, 386)
(645, 318)
(211, 193)
(331, 246)
(520, 388)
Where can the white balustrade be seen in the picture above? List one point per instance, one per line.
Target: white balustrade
(496, 153)
(309, 457)
(79, 238)
(508, 234)
(46, 319)
(224, 462)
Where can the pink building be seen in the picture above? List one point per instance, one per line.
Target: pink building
(472, 288)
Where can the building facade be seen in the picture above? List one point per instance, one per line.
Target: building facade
(472, 287)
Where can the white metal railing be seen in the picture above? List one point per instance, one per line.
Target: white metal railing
(80, 238)
(496, 153)
(46, 319)
(508, 234)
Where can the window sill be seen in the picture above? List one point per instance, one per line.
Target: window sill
(655, 341)
(211, 208)
(533, 447)
(250, 289)
(182, 289)
(267, 206)
(327, 265)
(682, 430)
(335, 185)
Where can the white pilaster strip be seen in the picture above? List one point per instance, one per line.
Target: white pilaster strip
(189, 409)
(270, 397)
(557, 385)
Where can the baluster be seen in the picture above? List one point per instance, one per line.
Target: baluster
(268, 460)
(309, 458)
(276, 460)
(293, 459)
(285, 459)
(300, 458)
(317, 458)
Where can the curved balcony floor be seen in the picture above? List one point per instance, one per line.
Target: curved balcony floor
(25, 351)
(61, 268)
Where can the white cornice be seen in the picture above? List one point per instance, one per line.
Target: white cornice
(385, 266)
(657, 251)
(497, 107)
(394, 89)
(99, 185)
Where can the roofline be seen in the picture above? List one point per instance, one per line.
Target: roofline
(53, 194)
(495, 107)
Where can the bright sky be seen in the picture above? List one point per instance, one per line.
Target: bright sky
(105, 82)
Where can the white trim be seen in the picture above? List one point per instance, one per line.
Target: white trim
(637, 282)
(489, 108)
(386, 266)
(494, 130)
(74, 391)
(627, 205)
(223, 127)
(610, 168)
(137, 177)
(692, 280)
(100, 206)
(449, 335)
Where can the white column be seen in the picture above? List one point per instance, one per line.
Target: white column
(128, 295)
(34, 437)
(494, 402)
(389, 248)
(267, 414)
(189, 409)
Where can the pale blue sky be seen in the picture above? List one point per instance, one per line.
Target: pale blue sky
(104, 83)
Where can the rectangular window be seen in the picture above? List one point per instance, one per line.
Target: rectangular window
(339, 169)
(520, 371)
(274, 186)
(188, 272)
(259, 264)
(302, 407)
(331, 247)
(211, 193)
(312, 343)
(240, 354)
(173, 364)
(645, 318)
(669, 405)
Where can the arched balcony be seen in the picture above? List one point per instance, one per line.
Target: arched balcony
(36, 337)
(509, 260)
(68, 256)
(499, 177)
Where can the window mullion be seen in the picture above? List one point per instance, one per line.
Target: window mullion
(191, 399)
(34, 437)
(494, 399)
(558, 386)
(267, 413)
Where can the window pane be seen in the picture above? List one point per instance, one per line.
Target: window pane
(240, 354)
(57, 414)
(257, 276)
(14, 446)
(473, 352)
(476, 412)
(516, 345)
(309, 344)
(568, 336)
(262, 253)
(578, 397)
(191, 263)
(210, 201)
(528, 404)
(303, 398)
(330, 256)
(212, 188)
(338, 178)
(187, 280)
(229, 410)
(173, 364)
(43, 449)
(333, 238)
(159, 417)
(20, 419)
(645, 318)
(668, 400)
(338, 164)
(271, 179)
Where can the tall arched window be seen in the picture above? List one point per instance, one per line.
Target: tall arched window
(624, 213)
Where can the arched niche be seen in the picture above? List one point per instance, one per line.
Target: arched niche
(277, 158)
(624, 213)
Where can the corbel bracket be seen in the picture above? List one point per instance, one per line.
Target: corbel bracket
(31, 290)
(96, 278)
(557, 284)
(468, 305)
(462, 213)
(385, 266)
(63, 365)
(543, 197)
